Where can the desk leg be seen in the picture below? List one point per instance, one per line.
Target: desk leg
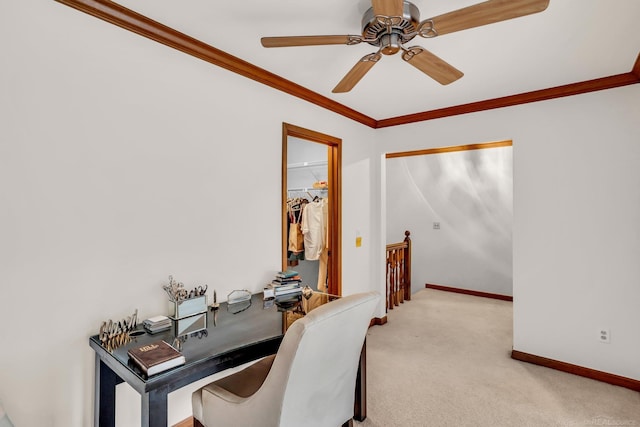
(360, 406)
(104, 413)
(154, 408)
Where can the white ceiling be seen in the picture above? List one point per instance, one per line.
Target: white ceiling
(571, 41)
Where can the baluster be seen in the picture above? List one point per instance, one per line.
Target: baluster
(389, 289)
(394, 273)
(401, 275)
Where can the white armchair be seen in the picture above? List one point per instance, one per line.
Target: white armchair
(309, 382)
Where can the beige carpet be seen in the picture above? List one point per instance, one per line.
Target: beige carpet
(443, 359)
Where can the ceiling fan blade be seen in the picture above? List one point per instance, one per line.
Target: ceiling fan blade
(287, 41)
(387, 7)
(488, 12)
(431, 65)
(358, 71)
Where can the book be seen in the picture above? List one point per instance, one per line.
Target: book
(272, 290)
(285, 274)
(286, 284)
(287, 279)
(279, 292)
(157, 324)
(156, 319)
(156, 357)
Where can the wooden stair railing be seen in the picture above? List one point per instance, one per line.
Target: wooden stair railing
(399, 272)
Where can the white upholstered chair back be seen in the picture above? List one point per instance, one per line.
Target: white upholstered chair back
(312, 379)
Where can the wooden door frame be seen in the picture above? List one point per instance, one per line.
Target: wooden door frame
(334, 160)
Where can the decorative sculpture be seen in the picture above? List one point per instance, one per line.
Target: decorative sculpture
(115, 334)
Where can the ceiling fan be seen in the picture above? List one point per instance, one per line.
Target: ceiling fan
(390, 24)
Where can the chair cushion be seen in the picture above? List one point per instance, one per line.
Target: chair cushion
(235, 387)
(244, 383)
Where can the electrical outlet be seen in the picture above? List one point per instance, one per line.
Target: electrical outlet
(604, 335)
(436, 226)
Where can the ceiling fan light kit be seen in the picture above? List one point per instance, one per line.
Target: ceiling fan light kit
(390, 24)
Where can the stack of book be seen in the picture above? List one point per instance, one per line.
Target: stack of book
(157, 324)
(286, 282)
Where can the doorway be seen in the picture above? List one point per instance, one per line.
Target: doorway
(311, 173)
(458, 203)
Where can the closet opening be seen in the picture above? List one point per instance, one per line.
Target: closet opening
(311, 207)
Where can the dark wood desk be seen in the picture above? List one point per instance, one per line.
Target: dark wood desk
(230, 340)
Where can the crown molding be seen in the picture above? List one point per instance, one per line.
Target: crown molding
(522, 98)
(130, 20)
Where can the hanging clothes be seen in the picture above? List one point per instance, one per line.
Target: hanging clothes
(323, 265)
(295, 238)
(295, 208)
(307, 233)
(314, 229)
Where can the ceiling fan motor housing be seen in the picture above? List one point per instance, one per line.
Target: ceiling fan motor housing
(389, 32)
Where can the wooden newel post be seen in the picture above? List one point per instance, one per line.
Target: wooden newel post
(407, 267)
(398, 274)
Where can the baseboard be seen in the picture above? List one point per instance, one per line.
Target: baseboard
(378, 321)
(577, 370)
(469, 292)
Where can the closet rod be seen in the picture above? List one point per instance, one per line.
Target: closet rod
(307, 164)
(306, 189)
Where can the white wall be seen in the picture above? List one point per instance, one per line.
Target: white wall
(576, 220)
(122, 162)
(469, 194)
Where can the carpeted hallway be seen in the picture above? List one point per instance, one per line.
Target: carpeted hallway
(443, 359)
